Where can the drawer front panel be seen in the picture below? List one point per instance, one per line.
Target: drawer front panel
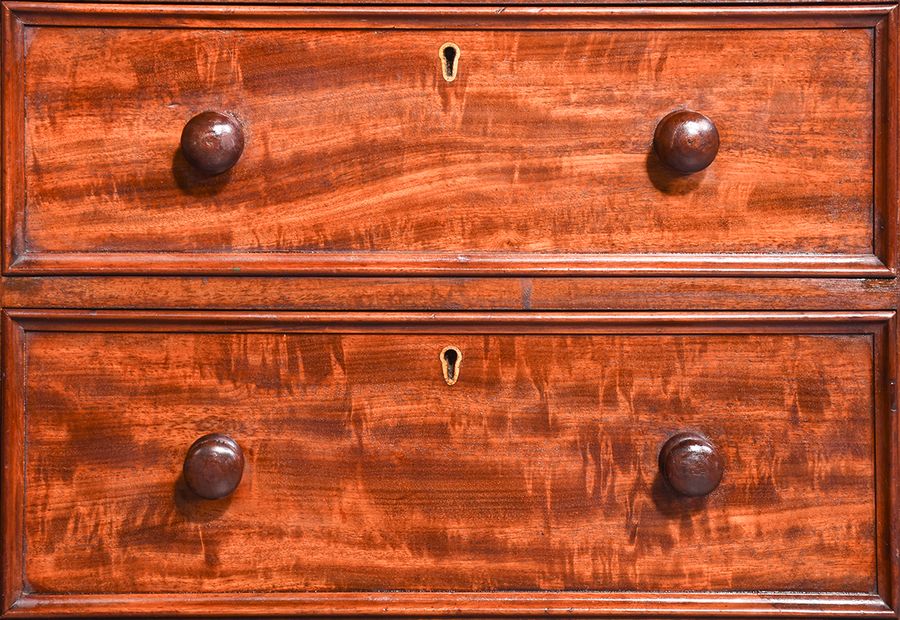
(365, 471)
(538, 157)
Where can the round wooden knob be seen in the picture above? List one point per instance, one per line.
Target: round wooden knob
(686, 141)
(213, 466)
(212, 142)
(691, 464)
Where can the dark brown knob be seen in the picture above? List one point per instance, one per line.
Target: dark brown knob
(686, 141)
(691, 464)
(212, 142)
(213, 466)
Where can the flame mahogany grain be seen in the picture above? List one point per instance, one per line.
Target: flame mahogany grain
(169, 350)
(546, 448)
(145, 304)
(361, 158)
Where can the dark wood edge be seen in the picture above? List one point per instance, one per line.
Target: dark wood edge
(884, 350)
(688, 322)
(889, 461)
(887, 139)
(890, 590)
(431, 604)
(425, 17)
(672, 3)
(12, 456)
(447, 264)
(12, 136)
(881, 264)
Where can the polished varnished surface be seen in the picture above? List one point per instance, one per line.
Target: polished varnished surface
(686, 141)
(365, 470)
(691, 464)
(213, 466)
(212, 142)
(356, 143)
(443, 294)
(502, 434)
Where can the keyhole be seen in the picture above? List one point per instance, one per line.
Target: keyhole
(449, 54)
(451, 357)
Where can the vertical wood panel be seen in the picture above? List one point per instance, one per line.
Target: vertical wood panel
(12, 165)
(12, 457)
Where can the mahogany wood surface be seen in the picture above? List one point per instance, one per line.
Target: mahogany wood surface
(477, 604)
(265, 321)
(538, 157)
(442, 294)
(536, 470)
(24, 326)
(462, 604)
(467, 3)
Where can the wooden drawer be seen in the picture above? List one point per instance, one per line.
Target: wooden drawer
(360, 157)
(370, 485)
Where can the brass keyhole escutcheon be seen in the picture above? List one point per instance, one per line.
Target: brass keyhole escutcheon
(449, 55)
(451, 358)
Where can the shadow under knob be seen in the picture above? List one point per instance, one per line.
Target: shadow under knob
(686, 141)
(691, 464)
(213, 466)
(212, 142)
